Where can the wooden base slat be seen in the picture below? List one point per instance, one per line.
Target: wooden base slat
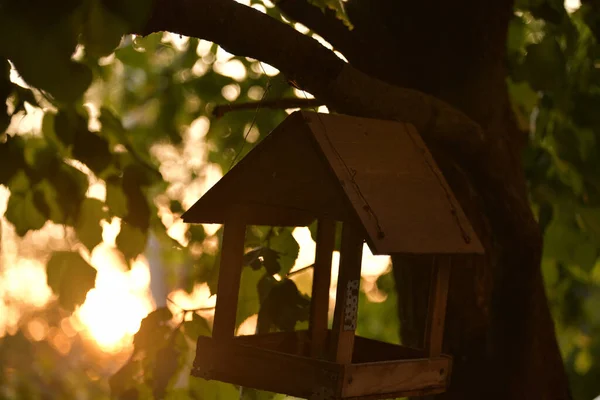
(241, 362)
(262, 369)
(385, 378)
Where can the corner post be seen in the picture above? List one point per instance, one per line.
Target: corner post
(230, 271)
(319, 301)
(438, 296)
(346, 304)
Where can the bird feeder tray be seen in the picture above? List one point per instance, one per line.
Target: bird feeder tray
(378, 179)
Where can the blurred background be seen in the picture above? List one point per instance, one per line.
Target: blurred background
(100, 278)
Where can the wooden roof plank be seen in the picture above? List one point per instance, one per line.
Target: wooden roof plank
(342, 167)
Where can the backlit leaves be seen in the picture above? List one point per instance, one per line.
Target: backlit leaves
(154, 329)
(282, 308)
(196, 327)
(554, 86)
(88, 228)
(131, 240)
(337, 6)
(70, 277)
(103, 29)
(23, 213)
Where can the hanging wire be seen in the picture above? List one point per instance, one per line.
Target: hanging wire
(351, 173)
(258, 106)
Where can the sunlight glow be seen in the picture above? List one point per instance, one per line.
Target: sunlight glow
(372, 266)
(232, 68)
(248, 327)
(572, 5)
(114, 309)
(199, 298)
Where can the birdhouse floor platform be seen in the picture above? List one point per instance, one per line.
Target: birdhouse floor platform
(281, 362)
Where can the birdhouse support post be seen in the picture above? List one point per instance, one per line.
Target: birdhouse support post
(438, 295)
(230, 271)
(319, 302)
(346, 303)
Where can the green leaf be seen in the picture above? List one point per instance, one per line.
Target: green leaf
(88, 226)
(42, 50)
(196, 327)
(154, 329)
(122, 383)
(138, 210)
(115, 197)
(5, 91)
(337, 6)
(70, 185)
(23, 213)
(103, 30)
(11, 154)
(167, 364)
(47, 199)
(248, 303)
(287, 247)
(546, 65)
(70, 277)
(196, 233)
(131, 240)
(66, 125)
(283, 307)
(213, 390)
(263, 257)
(90, 148)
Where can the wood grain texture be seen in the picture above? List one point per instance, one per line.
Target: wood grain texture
(395, 377)
(343, 167)
(438, 296)
(394, 186)
(319, 301)
(263, 369)
(230, 271)
(342, 338)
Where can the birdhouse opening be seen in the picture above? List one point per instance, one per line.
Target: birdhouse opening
(295, 333)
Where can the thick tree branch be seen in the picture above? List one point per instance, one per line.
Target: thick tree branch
(324, 24)
(277, 104)
(246, 32)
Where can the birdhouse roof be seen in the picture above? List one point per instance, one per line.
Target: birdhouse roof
(346, 168)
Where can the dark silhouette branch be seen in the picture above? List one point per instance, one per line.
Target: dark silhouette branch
(247, 32)
(277, 104)
(324, 24)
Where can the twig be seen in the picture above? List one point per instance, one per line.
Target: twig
(191, 310)
(284, 103)
(292, 273)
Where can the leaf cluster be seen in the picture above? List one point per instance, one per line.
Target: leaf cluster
(555, 87)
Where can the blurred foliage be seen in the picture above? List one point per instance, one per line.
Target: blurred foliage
(133, 114)
(554, 59)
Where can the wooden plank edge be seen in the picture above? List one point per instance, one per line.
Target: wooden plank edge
(396, 377)
(240, 364)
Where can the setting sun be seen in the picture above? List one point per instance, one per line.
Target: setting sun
(114, 309)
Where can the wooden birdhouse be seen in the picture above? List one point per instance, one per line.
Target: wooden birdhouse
(377, 178)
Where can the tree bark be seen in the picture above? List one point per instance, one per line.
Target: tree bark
(440, 66)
